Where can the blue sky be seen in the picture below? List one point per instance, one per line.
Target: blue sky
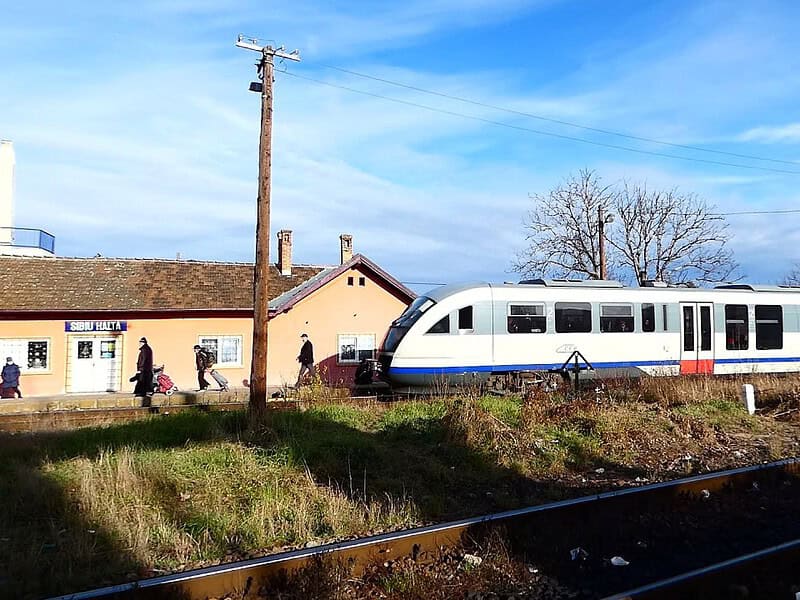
(136, 136)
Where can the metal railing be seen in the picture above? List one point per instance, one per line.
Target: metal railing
(25, 237)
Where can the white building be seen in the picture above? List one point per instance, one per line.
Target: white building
(17, 241)
(6, 191)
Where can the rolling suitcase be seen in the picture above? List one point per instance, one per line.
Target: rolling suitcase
(220, 379)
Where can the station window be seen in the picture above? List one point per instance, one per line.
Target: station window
(648, 317)
(616, 318)
(465, 318)
(441, 326)
(224, 350)
(736, 323)
(362, 281)
(769, 327)
(526, 318)
(29, 355)
(350, 281)
(353, 348)
(573, 317)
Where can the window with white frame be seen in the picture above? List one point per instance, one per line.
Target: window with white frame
(353, 348)
(31, 355)
(224, 350)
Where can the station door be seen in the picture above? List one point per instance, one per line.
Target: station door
(94, 363)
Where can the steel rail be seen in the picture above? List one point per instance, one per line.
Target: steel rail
(690, 584)
(241, 578)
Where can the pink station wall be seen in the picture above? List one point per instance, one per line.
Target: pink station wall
(336, 308)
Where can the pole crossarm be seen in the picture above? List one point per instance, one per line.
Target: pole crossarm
(249, 43)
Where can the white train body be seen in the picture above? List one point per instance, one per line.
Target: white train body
(468, 332)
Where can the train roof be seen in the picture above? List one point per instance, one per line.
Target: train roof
(444, 291)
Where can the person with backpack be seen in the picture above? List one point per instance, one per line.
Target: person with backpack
(202, 361)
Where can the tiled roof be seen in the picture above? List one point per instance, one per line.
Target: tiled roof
(95, 284)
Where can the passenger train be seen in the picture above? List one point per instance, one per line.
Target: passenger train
(482, 332)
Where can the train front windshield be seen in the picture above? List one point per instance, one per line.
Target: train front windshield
(404, 322)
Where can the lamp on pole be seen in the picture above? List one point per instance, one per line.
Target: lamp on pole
(602, 221)
(258, 364)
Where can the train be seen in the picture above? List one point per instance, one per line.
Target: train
(500, 335)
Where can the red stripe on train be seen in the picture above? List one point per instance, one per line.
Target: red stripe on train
(693, 367)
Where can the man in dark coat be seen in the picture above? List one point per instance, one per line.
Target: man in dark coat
(306, 359)
(10, 376)
(202, 362)
(144, 370)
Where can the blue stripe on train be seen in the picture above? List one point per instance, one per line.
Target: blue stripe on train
(548, 366)
(735, 361)
(527, 367)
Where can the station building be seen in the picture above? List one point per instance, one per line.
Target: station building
(73, 324)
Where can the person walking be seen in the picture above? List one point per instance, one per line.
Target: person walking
(10, 385)
(202, 361)
(144, 370)
(306, 359)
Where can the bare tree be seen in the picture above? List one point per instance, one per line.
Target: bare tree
(662, 235)
(669, 236)
(562, 229)
(793, 276)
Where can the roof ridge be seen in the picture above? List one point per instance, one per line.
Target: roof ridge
(156, 259)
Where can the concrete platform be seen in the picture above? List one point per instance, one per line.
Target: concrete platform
(119, 400)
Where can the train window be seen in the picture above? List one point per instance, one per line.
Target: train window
(573, 317)
(769, 327)
(688, 328)
(465, 318)
(665, 325)
(736, 327)
(648, 317)
(616, 318)
(413, 312)
(705, 328)
(526, 318)
(441, 326)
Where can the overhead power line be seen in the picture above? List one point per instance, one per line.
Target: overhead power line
(557, 121)
(538, 131)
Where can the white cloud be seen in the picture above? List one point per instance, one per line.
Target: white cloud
(780, 133)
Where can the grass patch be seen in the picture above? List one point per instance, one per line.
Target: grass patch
(96, 506)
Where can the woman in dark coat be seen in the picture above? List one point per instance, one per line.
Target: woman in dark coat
(144, 370)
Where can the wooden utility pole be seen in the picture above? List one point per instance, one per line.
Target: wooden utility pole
(602, 221)
(258, 364)
(601, 224)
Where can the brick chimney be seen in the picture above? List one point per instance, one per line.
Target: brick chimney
(285, 251)
(346, 247)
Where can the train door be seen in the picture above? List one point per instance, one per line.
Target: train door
(697, 337)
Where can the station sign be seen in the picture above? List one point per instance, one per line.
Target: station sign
(95, 326)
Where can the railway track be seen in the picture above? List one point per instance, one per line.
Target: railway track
(697, 537)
